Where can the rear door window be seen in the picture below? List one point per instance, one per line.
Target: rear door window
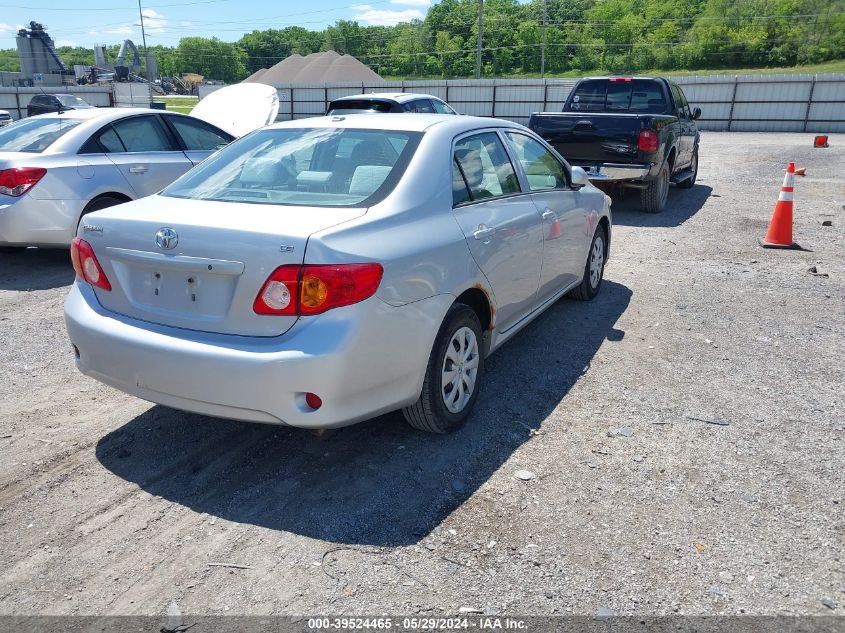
(420, 105)
(630, 95)
(143, 134)
(484, 166)
(681, 105)
(442, 108)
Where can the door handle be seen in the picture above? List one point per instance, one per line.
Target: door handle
(138, 169)
(548, 214)
(483, 233)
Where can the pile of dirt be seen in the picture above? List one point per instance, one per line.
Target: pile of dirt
(315, 68)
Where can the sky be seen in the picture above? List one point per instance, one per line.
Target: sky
(90, 22)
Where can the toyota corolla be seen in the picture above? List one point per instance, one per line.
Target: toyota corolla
(317, 273)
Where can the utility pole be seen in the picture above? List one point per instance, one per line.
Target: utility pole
(480, 36)
(146, 60)
(543, 45)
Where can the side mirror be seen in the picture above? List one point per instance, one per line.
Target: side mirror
(578, 178)
(696, 114)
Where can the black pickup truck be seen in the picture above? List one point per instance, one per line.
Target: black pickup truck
(632, 131)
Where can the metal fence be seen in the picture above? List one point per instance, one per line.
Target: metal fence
(131, 95)
(15, 100)
(758, 103)
(768, 103)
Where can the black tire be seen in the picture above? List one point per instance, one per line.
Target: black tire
(653, 198)
(587, 290)
(97, 204)
(430, 412)
(689, 182)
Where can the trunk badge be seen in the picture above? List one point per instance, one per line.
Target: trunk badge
(166, 238)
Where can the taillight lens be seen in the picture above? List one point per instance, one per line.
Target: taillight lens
(621, 79)
(18, 180)
(648, 141)
(86, 265)
(278, 294)
(315, 288)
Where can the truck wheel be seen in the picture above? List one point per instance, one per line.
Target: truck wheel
(453, 376)
(653, 198)
(689, 182)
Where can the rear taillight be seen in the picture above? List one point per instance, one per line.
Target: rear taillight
(621, 79)
(315, 288)
(86, 265)
(18, 180)
(648, 141)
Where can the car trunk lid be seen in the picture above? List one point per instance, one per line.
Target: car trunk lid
(198, 264)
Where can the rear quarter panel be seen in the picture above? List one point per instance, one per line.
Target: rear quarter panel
(412, 233)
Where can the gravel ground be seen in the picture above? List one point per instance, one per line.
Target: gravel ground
(684, 433)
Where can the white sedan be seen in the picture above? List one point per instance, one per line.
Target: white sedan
(319, 272)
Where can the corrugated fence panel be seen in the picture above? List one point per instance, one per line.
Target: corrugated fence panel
(727, 102)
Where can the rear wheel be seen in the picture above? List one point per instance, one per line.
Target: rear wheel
(593, 269)
(689, 182)
(453, 375)
(653, 198)
(103, 202)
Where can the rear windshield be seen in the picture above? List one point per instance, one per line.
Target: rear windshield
(35, 134)
(73, 100)
(603, 95)
(359, 106)
(315, 167)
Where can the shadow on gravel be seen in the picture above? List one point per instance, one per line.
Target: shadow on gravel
(35, 269)
(682, 205)
(375, 483)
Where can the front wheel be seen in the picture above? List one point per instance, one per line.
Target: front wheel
(453, 375)
(594, 268)
(653, 197)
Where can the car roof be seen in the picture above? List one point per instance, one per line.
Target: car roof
(404, 122)
(398, 97)
(96, 113)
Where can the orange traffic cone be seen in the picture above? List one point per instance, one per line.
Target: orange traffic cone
(780, 228)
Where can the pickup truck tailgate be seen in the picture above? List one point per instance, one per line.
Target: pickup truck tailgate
(591, 137)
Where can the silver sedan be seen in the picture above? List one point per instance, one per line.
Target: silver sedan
(55, 168)
(320, 272)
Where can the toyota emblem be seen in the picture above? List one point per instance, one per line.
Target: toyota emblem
(167, 238)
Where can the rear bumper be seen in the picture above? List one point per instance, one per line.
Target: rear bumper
(361, 360)
(27, 221)
(608, 172)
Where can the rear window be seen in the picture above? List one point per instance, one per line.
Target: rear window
(35, 134)
(315, 167)
(602, 95)
(358, 106)
(73, 100)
